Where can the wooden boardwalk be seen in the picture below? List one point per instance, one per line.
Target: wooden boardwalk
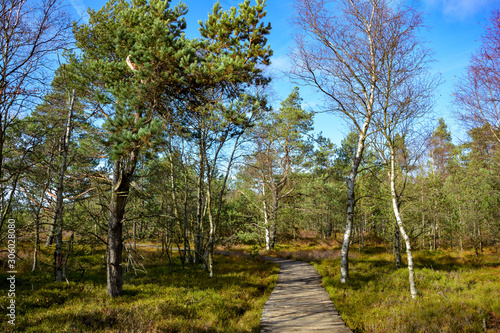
(299, 303)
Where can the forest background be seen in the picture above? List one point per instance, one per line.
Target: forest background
(151, 133)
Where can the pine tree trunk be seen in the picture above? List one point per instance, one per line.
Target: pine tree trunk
(187, 249)
(37, 244)
(66, 258)
(480, 239)
(211, 232)
(50, 237)
(198, 244)
(363, 231)
(120, 191)
(37, 217)
(134, 231)
(434, 231)
(183, 222)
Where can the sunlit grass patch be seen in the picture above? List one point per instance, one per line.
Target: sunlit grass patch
(165, 299)
(456, 294)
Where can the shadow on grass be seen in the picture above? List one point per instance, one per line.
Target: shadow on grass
(374, 250)
(442, 261)
(168, 298)
(128, 321)
(228, 273)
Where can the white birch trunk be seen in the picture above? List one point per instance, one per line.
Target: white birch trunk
(397, 214)
(267, 226)
(351, 197)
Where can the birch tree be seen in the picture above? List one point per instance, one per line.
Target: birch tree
(341, 50)
(406, 95)
(477, 93)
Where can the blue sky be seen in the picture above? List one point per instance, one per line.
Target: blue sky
(455, 30)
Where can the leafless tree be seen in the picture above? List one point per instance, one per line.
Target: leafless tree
(477, 94)
(31, 32)
(401, 138)
(406, 99)
(342, 50)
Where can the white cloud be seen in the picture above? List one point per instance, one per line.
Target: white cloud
(459, 9)
(281, 63)
(80, 9)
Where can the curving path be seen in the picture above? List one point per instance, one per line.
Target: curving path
(299, 303)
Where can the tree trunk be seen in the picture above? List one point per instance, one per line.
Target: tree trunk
(183, 222)
(134, 231)
(66, 258)
(474, 238)
(215, 220)
(363, 231)
(423, 217)
(119, 193)
(37, 217)
(198, 246)
(58, 216)
(480, 238)
(211, 230)
(397, 214)
(37, 244)
(397, 248)
(351, 202)
(187, 249)
(267, 222)
(434, 231)
(274, 219)
(50, 237)
(461, 229)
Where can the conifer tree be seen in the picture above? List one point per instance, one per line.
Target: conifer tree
(222, 101)
(134, 56)
(139, 65)
(280, 146)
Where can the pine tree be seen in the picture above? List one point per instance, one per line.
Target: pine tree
(134, 56)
